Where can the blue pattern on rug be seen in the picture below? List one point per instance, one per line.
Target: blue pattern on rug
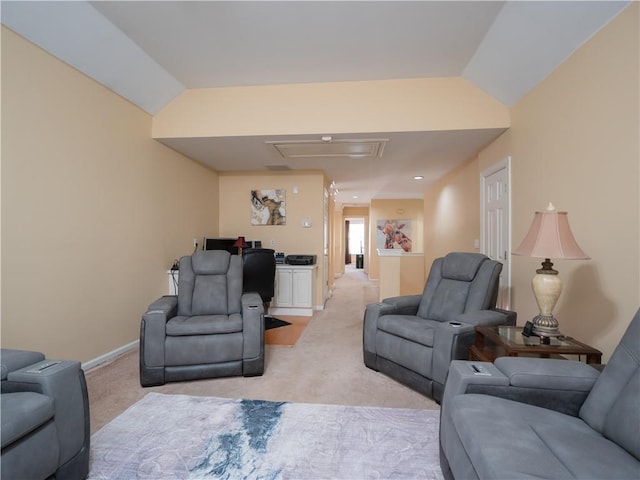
(259, 419)
(234, 456)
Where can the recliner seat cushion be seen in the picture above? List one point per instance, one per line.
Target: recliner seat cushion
(204, 325)
(409, 327)
(23, 412)
(507, 439)
(400, 351)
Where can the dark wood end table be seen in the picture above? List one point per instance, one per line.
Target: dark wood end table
(494, 342)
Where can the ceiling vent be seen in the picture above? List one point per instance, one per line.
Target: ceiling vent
(328, 147)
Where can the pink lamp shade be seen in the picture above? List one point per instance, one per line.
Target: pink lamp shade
(240, 243)
(550, 237)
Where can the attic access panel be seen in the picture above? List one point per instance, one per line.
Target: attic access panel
(333, 148)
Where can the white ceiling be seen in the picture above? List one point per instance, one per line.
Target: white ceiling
(151, 51)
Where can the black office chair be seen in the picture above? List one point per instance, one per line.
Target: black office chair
(259, 275)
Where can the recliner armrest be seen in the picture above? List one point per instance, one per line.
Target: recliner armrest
(462, 376)
(253, 325)
(164, 306)
(16, 359)
(559, 385)
(402, 305)
(64, 381)
(547, 373)
(152, 329)
(486, 318)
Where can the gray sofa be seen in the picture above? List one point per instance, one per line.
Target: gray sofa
(45, 417)
(544, 418)
(413, 338)
(210, 329)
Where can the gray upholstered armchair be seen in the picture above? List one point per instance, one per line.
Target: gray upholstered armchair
(45, 417)
(413, 338)
(210, 329)
(544, 418)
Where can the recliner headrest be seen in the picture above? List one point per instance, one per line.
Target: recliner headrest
(462, 266)
(210, 262)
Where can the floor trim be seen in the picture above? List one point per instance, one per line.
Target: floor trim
(109, 355)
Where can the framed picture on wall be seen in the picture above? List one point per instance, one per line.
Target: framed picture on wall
(268, 207)
(392, 234)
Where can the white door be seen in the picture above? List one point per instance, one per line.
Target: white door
(496, 223)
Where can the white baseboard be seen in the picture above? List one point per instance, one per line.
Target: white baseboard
(109, 355)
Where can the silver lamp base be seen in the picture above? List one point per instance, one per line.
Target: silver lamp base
(545, 326)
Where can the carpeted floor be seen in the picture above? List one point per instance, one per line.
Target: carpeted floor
(179, 436)
(324, 366)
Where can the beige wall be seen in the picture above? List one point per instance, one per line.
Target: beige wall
(408, 209)
(292, 238)
(393, 105)
(452, 213)
(93, 210)
(574, 141)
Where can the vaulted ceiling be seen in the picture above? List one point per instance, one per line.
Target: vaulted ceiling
(151, 51)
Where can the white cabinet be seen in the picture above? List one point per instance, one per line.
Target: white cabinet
(294, 289)
(284, 288)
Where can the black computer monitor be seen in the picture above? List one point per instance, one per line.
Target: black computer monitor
(221, 244)
(227, 244)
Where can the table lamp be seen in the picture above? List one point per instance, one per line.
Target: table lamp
(549, 237)
(240, 243)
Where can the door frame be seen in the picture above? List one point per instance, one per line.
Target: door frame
(505, 163)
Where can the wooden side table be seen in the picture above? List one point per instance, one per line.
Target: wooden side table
(494, 342)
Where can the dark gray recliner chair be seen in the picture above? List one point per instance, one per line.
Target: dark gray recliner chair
(544, 418)
(413, 338)
(210, 329)
(45, 417)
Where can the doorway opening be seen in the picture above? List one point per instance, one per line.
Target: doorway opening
(355, 245)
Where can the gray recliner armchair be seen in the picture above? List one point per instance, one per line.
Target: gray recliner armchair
(45, 417)
(544, 418)
(413, 338)
(210, 329)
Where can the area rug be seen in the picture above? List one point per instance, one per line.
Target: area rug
(179, 436)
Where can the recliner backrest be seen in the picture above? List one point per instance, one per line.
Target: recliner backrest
(259, 272)
(210, 283)
(612, 406)
(458, 283)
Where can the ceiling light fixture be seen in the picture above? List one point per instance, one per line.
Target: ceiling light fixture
(418, 177)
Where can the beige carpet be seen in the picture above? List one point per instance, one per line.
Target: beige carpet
(324, 366)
